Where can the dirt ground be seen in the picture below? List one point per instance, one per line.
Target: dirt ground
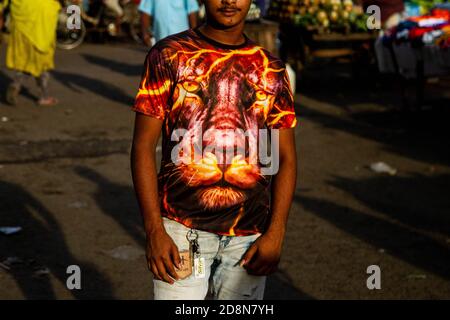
(65, 179)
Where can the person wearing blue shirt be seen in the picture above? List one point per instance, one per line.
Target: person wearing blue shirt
(167, 17)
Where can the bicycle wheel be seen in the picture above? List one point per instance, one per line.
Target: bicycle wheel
(66, 38)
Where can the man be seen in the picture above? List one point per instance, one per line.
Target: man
(207, 215)
(31, 46)
(167, 17)
(391, 11)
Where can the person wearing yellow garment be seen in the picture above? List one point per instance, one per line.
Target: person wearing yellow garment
(31, 45)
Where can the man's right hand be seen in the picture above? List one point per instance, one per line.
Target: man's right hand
(163, 257)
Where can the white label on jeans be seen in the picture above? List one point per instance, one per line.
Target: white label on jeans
(199, 268)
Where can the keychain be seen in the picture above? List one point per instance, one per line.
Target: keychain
(197, 261)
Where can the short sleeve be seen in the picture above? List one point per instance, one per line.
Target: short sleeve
(155, 89)
(282, 115)
(147, 6)
(192, 6)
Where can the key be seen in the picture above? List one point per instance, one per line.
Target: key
(195, 248)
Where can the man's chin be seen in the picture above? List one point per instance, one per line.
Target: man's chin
(224, 23)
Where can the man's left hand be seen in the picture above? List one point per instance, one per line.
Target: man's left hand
(263, 256)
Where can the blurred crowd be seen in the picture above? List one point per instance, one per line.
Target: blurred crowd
(33, 24)
(32, 32)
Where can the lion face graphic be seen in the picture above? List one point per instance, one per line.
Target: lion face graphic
(224, 100)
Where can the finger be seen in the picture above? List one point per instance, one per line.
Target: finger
(170, 268)
(175, 255)
(248, 256)
(259, 271)
(256, 262)
(257, 265)
(149, 264)
(255, 269)
(154, 270)
(268, 268)
(162, 272)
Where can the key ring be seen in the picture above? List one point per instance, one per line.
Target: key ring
(192, 235)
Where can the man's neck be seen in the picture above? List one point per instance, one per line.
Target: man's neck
(230, 36)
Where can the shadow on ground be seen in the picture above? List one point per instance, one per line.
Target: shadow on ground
(102, 88)
(116, 201)
(407, 244)
(279, 286)
(124, 68)
(39, 246)
(416, 201)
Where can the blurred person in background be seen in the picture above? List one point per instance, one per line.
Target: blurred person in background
(391, 11)
(31, 45)
(114, 6)
(167, 17)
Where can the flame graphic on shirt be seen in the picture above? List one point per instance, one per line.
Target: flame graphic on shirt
(214, 94)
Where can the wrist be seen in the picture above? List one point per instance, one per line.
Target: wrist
(275, 231)
(154, 228)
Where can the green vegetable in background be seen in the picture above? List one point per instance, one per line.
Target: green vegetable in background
(425, 5)
(325, 15)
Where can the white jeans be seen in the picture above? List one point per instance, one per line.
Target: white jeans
(225, 278)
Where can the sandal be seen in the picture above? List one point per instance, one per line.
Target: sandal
(50, 101)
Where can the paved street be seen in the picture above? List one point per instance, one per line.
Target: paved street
(65, 179)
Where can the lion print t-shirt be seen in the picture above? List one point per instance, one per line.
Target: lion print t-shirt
(217, 103)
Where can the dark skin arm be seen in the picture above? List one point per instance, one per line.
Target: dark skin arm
(162, 253)
(263, 256)
(146, 22)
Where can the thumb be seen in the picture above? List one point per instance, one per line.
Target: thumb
(248, 255)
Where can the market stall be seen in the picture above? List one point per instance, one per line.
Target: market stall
(320, 29)
(417, 49)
